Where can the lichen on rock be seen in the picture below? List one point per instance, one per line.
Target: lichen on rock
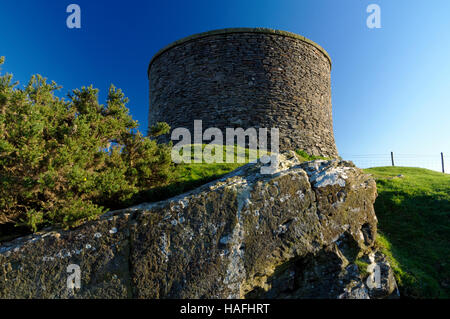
(295, 234)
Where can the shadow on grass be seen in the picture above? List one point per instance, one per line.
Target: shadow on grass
(162, 193)
(417, 231)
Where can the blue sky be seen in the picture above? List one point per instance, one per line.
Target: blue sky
(390, 86)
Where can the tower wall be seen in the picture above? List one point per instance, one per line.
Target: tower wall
(246, 78)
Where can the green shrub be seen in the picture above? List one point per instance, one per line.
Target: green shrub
(64, 161)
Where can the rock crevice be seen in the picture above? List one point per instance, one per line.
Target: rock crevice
(295, 234)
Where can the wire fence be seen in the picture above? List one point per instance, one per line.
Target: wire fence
(438, 162)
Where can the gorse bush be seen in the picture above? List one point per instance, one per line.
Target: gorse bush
(64, 161)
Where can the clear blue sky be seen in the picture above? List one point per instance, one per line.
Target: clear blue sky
(390, 86)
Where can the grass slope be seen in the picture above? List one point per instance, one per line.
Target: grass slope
(188, 176)
(413, 213)
(414, 228)
(192, 175)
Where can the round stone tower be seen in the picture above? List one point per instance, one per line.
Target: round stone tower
(246, 77)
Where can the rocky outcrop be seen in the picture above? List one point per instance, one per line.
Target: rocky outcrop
(298, 233)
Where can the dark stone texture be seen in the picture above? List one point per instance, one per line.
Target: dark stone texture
(247, 78)
(294, 234)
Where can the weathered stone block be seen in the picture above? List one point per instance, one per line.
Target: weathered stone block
(294, 234)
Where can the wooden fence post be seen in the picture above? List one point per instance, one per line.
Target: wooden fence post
(442, 160)
(392, 158)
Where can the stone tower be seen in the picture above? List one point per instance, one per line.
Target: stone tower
(246, 78)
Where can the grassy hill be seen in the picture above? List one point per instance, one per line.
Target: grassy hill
(189, 176)
(414, 221)
(413, 211)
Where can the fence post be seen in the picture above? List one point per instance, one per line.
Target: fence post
(392, 158)
(442, 160)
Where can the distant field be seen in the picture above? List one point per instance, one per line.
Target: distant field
(414, 228)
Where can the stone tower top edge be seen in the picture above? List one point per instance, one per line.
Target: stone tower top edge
(237, 30)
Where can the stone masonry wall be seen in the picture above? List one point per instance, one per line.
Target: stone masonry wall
(246, 78)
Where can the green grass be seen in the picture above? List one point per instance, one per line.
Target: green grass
(185, 178)
(362, 267)
(414, 229)
(413, 213)
(190, 176)
(303, 156)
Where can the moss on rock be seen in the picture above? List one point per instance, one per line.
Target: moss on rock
(297, 233)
